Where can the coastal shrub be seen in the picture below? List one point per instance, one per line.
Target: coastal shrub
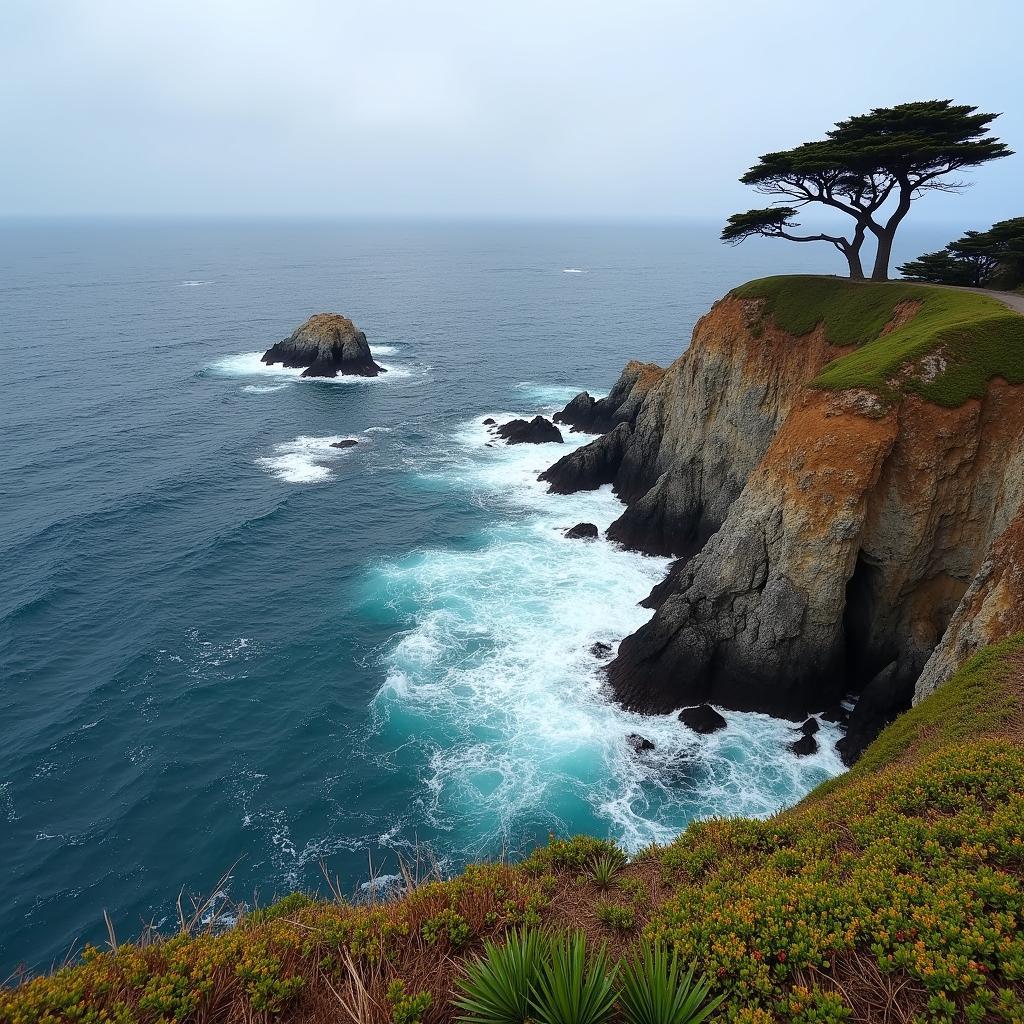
(448, 924)
(496, 988)
(615, 915)
(569, 854)
(406, 1008)
(572, 986)
(654, 990)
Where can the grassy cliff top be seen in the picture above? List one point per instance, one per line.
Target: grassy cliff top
(942, 343)
(895, 892)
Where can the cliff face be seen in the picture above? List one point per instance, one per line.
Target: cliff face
(830, 540)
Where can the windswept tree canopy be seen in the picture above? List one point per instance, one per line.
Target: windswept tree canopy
(892, 153)
(993, 258)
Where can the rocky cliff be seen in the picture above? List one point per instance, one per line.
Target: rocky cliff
(839, 468)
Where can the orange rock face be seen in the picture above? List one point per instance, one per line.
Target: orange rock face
(828, 539)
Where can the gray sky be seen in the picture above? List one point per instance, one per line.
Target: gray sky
(453, 108)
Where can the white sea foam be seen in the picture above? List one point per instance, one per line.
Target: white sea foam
(263, 389)
(552, 397)
(305, 460)
(573, 270)
(494, 674)
(248, 364)
(193, 284)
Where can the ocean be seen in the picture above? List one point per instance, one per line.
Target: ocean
(228, 649)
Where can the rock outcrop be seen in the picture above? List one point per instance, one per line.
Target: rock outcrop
(829, 541)
(702, 719)
(581, 531)
(597, 415)
(536, 431)
(326, 344)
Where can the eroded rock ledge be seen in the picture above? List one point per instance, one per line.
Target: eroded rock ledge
(326, 344)
(828, 542)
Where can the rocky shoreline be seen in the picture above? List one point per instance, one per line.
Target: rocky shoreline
(828, 544)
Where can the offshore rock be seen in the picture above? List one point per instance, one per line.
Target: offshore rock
(581, 531)
(536, 431)
(326, 344)
(703, 719)
(804, 746)
(349, 442)
(639, 743)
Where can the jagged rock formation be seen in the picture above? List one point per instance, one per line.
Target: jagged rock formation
(827, 537)
(597, 415)
(326, 344)
(536, 431)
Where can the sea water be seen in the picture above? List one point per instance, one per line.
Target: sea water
(227, 646)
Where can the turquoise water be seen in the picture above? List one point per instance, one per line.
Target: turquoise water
(226, 645)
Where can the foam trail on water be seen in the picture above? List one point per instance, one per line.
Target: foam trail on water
(495, 678)
(249, 364)
(305, 460)
(553, 397)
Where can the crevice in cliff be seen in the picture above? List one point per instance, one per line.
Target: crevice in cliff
(865, 654)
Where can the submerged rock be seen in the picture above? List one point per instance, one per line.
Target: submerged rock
(804, 746)
(326, 344)
(703, 719)
(536, 431)
(639, 743)
(582, 531)
(601, 650)
(349, 442)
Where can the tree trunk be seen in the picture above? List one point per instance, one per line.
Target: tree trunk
(883, 255)
(885, 235)
(851, 250)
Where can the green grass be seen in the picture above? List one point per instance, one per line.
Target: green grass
(978, 336)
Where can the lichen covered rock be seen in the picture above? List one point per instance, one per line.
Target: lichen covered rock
(326, 344)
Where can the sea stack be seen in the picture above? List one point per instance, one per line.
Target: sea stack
(326, 344)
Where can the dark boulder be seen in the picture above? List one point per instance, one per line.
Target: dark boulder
(601, 650)
(703, 719)
(810, 727)
(885, 697)
(588, 467)
(837, 713)
(804, 746)
(536, 431)
(582, 531)
(326, 344)
(639, 743)
(347, 443)
(490, 421)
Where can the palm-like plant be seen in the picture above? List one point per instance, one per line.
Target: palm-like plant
(572, 989)
(497, 987)
(655, 991)
(604, 867)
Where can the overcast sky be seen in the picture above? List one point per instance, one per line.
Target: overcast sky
(492, 108)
